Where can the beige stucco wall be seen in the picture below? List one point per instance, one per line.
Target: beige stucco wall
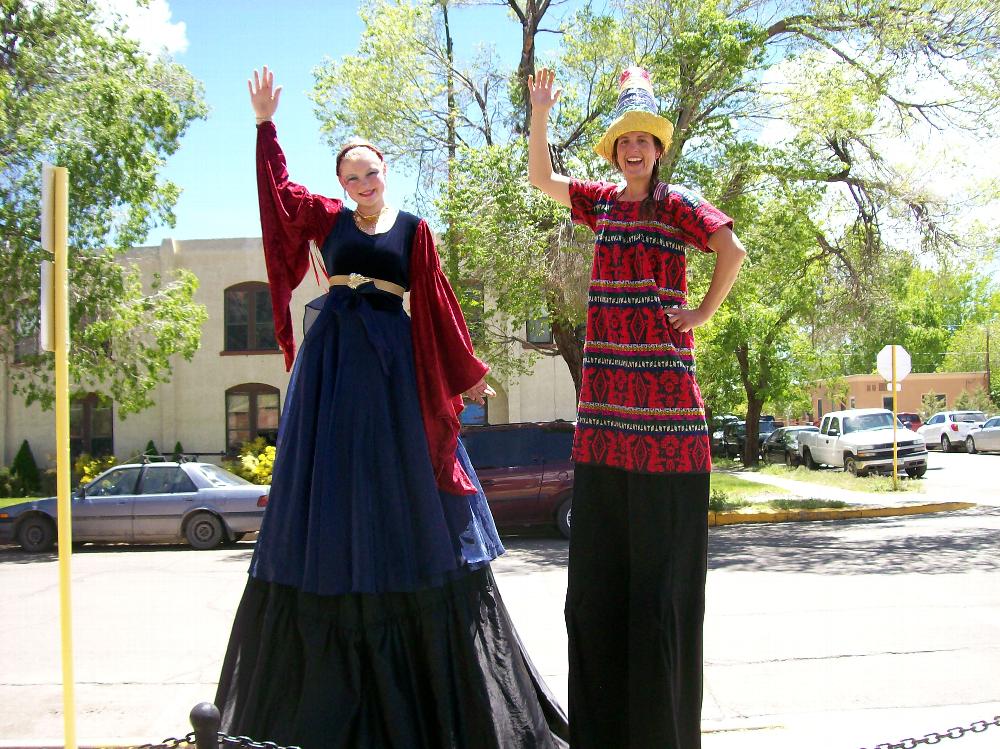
(867, 391)
(191, 407)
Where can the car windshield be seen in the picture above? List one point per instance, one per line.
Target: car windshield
(969, 416)
(220, 476)
(867, 421)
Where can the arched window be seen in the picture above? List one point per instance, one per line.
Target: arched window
(248, 319)
(91, 425)
(252, 411)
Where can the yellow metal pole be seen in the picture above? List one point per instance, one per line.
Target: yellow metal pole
(895, 449)
(61, 287)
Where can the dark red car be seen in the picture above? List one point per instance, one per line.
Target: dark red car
(526, 472)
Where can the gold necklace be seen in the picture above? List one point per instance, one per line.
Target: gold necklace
(374, 216)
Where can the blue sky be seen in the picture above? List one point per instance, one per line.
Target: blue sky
(221, 42)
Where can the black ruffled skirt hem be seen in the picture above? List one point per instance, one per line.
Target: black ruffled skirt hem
(438, 668)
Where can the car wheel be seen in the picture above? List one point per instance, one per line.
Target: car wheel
(851, 466)
(970, 445)
(204, 531)
(807, 458)
(945, 444)
(916, 473)
(36, 534)
(563, 517)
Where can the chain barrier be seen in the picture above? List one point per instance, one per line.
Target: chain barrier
(226, 741)
(929, 739)
(222, 740)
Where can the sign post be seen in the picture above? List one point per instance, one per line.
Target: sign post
(55, 239)
(893, 364)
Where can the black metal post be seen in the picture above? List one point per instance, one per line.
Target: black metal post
(205, 720)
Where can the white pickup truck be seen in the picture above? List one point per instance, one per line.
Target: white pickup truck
(860, 440)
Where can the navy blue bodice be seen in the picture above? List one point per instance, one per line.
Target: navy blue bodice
(347, 249)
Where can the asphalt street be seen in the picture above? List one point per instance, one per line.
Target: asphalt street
(828, 634)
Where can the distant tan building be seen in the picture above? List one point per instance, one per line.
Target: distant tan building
(234, 387)
(871, 391)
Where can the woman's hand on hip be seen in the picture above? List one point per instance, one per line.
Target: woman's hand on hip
(682, 320)
(263, 95)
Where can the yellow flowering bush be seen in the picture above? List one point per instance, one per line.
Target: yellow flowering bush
(255, 463)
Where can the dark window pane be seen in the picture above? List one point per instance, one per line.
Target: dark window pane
(265, 337)
(157, 479)
(539, 331)
(114, 484)
(236, 338)
(236, 308)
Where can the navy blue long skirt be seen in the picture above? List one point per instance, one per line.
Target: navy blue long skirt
(371, 618)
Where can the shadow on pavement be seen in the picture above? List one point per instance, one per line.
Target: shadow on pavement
(534, 554)
(855, 547)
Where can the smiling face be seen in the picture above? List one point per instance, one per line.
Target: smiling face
(636, 153)
(362, 174)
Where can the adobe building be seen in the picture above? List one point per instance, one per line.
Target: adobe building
(871, 391)
(234, 387)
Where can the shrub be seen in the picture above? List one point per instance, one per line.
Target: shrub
(255, 462)
(151, 449)
(86, 467)
(25, 468)
(11, 485)
(178, 452)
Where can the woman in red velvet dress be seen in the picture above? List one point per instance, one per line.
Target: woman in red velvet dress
(371, 617)
(638, 554)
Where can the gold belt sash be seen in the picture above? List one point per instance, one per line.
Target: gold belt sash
(354, 280)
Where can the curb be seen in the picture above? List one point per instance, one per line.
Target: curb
(794, 516)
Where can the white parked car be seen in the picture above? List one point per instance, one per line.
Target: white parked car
(860, 441)
(948, 429)
(984, 439)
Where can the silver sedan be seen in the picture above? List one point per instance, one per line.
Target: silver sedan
(146, 503)
(985, 438)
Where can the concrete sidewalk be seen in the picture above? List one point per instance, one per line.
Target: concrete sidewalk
(861, 504)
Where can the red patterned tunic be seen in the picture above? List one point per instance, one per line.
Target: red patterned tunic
(640, 407)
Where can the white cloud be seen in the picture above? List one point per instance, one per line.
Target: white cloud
(150, 25)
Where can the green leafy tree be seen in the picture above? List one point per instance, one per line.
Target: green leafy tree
(841, 79)
(77, 92)
(151, 449)
(977, 400)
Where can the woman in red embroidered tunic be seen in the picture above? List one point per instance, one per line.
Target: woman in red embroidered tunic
(638, 553)
(370, 617)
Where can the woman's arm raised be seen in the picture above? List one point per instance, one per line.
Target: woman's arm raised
(543, 98)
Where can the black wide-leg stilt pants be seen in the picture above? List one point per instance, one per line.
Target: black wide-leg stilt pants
(635, 607)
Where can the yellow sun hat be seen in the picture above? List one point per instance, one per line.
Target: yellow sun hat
(635, 111)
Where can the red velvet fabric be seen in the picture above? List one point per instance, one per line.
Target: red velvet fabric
(442, 352)
(290, 218)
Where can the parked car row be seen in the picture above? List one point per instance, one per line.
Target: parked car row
(525, 469)
(734, 435)
(985, 438)
(950, 430)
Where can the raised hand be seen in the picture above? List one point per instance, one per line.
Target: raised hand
(263, 95)
(541, 91)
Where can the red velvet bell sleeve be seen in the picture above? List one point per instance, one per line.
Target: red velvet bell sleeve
(445, 363)
(290, 218)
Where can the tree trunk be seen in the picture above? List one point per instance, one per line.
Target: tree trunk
(571, 350)
(751, 443)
